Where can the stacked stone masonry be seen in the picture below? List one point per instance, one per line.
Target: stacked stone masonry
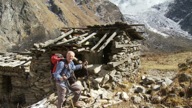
(115, 57)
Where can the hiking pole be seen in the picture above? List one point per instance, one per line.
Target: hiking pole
(67, 96)
(89, 86)
(72, 103)
(88, 78)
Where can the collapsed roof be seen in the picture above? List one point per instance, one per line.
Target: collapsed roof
(91, 38)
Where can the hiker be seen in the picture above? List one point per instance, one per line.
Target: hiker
(62, 74)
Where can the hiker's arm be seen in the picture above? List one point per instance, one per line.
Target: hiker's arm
(58, 71)
(76, 67)
(80, 66)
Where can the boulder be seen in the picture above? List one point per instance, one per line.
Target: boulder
(182, 66)
(95, 69)
(189, 61)
(107, 95)
(164, 85)
(139, 89)
(184, 77)
(105, 79)
(148, 81)
(156, 87)
(52, 106)
(113, 72)
(94, 93)
(168, 81)
(104, 72)
(99, 79)
(156, 99)
(189, 92)
(124, 96)
(136, 99)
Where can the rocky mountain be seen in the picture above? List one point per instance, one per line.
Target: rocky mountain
(24, 22)
(166, 31)
(180, 11)
(158, 16)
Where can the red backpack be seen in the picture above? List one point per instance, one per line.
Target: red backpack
(55, 58)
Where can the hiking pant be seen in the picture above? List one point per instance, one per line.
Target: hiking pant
(61, 92)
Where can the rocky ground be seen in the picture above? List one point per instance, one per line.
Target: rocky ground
(164, 81)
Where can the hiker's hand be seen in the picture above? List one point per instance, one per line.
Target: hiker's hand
(61, 79)
(85, 64)
(64, 77)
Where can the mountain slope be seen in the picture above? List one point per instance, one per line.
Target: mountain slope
(25, 22)
(181, 12)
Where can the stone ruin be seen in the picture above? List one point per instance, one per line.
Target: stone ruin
(14, 75)
(113, 53)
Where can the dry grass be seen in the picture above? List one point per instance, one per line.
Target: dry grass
(164, 61)
(122, 105)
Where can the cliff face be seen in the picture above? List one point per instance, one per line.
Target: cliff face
(24, 22)
(180, 11)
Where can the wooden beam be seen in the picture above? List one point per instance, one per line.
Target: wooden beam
(88, 37)
(101, 40)
(100, 27)
(108, 40)
(125, 45)
(81, 49)
(72, 39)
(50, 42)
(114, 64)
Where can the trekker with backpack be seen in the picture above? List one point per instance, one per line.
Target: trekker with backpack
(63, 72)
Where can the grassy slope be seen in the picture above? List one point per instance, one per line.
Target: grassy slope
(164, 61)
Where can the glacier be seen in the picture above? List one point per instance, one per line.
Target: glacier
(152, 14)
(134, 7)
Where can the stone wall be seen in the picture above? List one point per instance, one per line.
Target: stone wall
(123, 60)
(40, 78)
(111, 50)
(14, 74)
(122, 57)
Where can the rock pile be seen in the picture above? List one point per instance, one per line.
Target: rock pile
(179, 94)
(145, 93)
(168, 89)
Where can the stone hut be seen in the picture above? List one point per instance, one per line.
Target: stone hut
(112, 51)
(14, 75)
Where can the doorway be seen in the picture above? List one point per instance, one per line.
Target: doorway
(106, 53)
(6, 84)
